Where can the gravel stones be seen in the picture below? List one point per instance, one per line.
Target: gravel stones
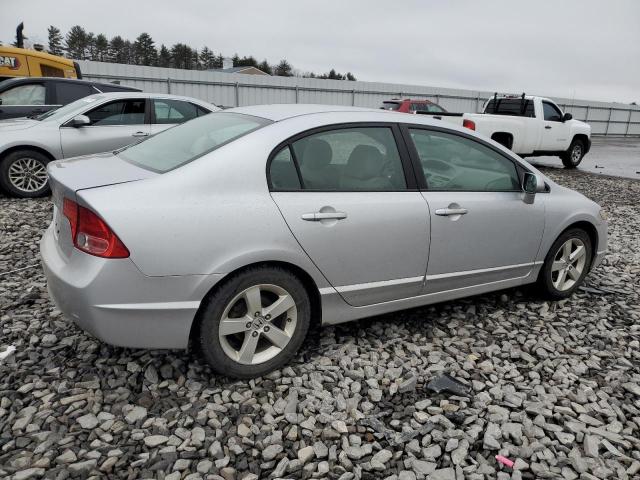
(555, 385)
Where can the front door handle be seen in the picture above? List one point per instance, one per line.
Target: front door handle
(547, 127)
(140, 134)
(446, 212)
(317, 216)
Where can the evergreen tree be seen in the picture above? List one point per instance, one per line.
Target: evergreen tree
(76, 42)
(351, 77)
(207, 58)
(145, 50)
(182, 56)
(55, 40)
(283, 69)
(117, 50)
(246, 62)
(101, 48)
(164, 57)
(90, 51)
(265, 67)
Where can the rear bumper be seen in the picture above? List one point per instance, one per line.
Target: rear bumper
(112, 300)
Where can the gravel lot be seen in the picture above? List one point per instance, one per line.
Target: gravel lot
(555, 386)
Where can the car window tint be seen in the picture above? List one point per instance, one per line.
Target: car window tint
(173, 111)
(432, 107)
(33, 94)
(510, 106)
(67, 92)
(121, 112)
(49, 71)
(350, 159)
(282, 171)
(451, 162)
(201, 110)
(551, 113)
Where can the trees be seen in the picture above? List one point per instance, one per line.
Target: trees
(283, 69)
(55, 40)
(76, 42)
(117, 52)
(164, 57)
(101, 48)
(82, 45)
(145, 50)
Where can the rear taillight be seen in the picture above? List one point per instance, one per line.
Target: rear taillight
(91, 234)
(470, 124)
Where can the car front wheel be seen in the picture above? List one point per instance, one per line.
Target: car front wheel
(566, 264)
(23, 174)
(573, 156)
(255, 322)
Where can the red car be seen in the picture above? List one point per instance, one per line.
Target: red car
(412, 106)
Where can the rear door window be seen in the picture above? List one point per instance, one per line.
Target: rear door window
(349, 159)
(67, 92)
(173, 111)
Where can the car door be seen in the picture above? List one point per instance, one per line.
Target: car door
(24, 100)
(555, 132)
(351, 202)
(167, 112)
(114, 124)
(481, 229)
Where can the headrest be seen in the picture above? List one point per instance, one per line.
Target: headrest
(365, 162)
(317, 155)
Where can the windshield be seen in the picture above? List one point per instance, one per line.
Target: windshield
(390, 105)
(74, 107)
(186, 142)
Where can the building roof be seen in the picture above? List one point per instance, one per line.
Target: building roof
(244, 69)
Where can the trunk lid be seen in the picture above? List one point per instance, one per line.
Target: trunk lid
(66, 177)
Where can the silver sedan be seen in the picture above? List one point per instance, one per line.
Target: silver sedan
(93, 124)
(238, 230)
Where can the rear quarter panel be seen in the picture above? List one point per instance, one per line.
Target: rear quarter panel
(524, 130)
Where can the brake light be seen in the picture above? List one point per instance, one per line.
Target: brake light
(91, 234)
(470, 124)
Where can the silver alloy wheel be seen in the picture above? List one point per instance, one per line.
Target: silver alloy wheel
(568, 264)
(576, 153)
(257, 324)
(28, 175)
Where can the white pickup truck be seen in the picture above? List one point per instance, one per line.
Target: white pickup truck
(529, 126)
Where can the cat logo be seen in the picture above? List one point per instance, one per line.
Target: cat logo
(11, 62)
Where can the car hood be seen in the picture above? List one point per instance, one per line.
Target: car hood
(92, 171)
(12, 124)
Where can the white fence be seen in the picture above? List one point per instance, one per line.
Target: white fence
(228, 89)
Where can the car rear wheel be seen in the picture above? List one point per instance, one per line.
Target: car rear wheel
(573, 156)
(254, 323)
(23, 174)
(566, 264)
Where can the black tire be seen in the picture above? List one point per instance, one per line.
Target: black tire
(36, 158)
(574, 155)
(209, 340)
(546, 278)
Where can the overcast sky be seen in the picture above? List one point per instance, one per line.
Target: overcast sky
(572, 48)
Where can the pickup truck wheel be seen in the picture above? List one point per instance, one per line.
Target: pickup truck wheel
(23, 174)
(573, 156)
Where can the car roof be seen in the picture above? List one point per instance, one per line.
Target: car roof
(168, 96)
(27, 80)
(278, 112)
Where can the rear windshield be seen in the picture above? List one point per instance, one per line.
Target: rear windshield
(510, 106)
(390, 106)
(186, 142)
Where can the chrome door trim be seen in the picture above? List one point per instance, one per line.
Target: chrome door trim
(383, 283)
(481, 270)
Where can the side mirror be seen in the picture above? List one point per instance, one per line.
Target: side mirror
(531, 185)
(80, 121)
(566, 117)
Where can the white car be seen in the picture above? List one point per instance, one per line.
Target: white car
(529, 126)
(98, 123)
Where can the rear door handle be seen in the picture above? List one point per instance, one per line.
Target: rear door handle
(446, 212)
(547, 127)
(140, 134)
(317, 216)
